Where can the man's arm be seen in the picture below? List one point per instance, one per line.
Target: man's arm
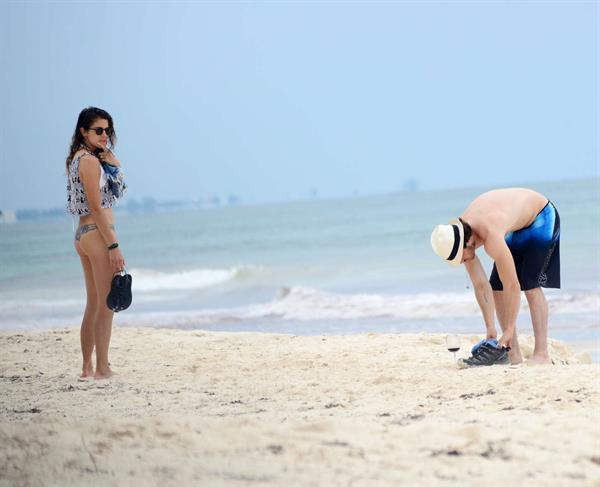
(483, 294)
(496, 248)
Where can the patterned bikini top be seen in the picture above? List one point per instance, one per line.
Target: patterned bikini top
(112, 187)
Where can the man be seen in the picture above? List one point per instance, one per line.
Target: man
(520, 230)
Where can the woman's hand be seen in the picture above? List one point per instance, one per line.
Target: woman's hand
(107, 156)
(117, 261)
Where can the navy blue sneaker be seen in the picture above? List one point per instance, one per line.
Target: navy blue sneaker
(487, 354)
(489, 341)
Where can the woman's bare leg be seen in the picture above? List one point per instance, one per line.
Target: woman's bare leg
(515, 352)
(87, 324)
(95, 249)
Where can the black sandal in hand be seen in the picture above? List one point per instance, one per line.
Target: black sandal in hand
(119, 297)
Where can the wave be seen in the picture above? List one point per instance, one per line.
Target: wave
(300, 303)
(290, 304)
(148, 280)
(30, 305)
(306, 304)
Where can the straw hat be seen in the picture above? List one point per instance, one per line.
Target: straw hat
(448, 241)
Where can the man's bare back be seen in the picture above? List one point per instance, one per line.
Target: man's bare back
(504, 210)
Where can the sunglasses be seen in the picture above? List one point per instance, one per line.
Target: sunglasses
(109, 131)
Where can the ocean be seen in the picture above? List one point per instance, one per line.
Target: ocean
(341, 266)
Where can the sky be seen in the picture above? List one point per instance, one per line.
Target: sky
(277, 101)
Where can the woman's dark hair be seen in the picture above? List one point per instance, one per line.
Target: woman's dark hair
(468, 231)
(85, 120)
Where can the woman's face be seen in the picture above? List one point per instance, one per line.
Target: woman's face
(97, 135)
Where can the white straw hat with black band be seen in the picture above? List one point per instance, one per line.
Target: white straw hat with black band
(448, 241)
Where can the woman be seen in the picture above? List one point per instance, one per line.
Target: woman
(94, 183)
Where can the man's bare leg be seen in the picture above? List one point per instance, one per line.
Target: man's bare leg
(538, 307)
(515, 352)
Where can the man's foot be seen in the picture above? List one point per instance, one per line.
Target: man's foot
(539, 360)
(486, 354)
(515, 357)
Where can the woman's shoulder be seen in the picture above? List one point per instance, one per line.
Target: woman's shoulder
(86, 163)
(80, 154)
(85, 157)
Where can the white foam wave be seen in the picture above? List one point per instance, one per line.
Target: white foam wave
(305, 304)
(294, 304)
(148, 280)
(301, 303)
(18, 306)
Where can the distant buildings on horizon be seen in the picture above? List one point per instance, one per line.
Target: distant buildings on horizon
(129, 206)
(152, 205)
(8, 216)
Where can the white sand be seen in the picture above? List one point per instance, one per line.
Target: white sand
(199, 408)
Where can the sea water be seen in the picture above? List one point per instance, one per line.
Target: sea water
(313, 267)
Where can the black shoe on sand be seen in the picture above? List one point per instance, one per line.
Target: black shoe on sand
(487, 355)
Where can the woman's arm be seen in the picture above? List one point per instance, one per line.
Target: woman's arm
(483, 294)
(89, 172)
(108, 156)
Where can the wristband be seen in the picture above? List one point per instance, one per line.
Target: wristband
(113, 246)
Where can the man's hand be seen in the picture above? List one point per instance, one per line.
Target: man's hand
(506, 338)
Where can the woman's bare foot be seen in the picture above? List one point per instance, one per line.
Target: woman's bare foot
(87, 370)
(539, 360)
(103, 373)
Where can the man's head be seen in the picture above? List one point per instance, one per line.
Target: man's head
(469, 242)
(453, 242)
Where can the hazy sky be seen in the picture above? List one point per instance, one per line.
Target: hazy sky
(270, 100)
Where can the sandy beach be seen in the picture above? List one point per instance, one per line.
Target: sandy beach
(212, 408)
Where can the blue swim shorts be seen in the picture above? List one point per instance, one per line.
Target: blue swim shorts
(536, 252)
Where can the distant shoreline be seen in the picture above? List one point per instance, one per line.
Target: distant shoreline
(147, 205)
